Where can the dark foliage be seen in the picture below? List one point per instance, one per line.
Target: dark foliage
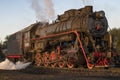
(116, 34)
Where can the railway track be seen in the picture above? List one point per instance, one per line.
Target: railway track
(79, 71)
(42, 73)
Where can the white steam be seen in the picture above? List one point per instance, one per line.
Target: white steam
(43, 9)
(8, 65)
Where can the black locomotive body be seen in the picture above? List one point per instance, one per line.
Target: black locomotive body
(78, 37)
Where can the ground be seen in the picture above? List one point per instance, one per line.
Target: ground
(34, 73)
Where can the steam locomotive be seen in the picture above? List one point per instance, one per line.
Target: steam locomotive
(79, 37)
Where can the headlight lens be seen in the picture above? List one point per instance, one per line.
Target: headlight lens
(99, 14)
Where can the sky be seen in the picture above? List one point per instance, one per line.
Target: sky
(18, 14)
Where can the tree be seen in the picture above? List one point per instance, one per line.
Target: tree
(116, 34)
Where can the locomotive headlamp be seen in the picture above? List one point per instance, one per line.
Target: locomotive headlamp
(99, 14)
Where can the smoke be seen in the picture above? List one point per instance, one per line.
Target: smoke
(49, 8)
(87, 2)
(8, 65)
(38, 10)
(43, 9)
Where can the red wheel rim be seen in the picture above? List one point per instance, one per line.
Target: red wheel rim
(90, 66)
(53, 65)
(70, 65)
(61, 64)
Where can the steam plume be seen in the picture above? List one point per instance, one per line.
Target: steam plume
(49, 8)
(43, 9)
(8, 65)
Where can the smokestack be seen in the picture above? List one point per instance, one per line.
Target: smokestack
(43, 9)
